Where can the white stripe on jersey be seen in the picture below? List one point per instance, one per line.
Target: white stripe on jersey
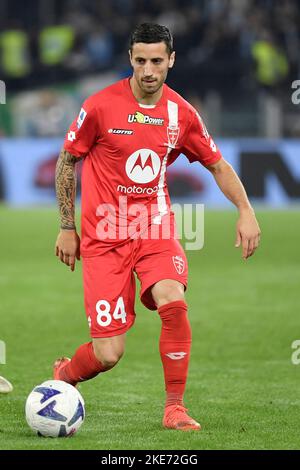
(173, 114)
(161, 196)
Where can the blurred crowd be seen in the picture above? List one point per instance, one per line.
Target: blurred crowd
(227, 45)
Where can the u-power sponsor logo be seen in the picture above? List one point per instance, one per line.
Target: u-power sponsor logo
(141, 118)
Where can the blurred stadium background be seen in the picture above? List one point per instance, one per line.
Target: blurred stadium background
(237, 61)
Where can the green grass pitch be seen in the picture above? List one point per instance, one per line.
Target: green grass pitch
(242, 385)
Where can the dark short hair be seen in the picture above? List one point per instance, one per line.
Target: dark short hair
(151, 33)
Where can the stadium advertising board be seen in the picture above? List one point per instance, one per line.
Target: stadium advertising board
(270, 171)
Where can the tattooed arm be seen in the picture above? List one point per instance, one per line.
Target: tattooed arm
(65, 184)
(67, 246)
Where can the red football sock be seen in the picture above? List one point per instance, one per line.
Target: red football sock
(83, 366)
(175, 346)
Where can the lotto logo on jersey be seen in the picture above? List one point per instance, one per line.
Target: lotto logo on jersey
(143, 166)
(120, 131)
(141, 118)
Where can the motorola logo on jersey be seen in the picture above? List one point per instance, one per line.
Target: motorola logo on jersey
(143, 166)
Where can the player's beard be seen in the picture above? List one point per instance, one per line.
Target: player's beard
(151, 88)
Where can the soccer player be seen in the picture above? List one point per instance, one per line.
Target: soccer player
(127, 135)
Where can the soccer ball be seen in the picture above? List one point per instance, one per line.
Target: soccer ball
(54, 409)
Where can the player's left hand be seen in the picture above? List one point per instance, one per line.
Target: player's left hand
(67, 247)
(247, 233)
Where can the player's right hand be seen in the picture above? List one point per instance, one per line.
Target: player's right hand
(67, 247)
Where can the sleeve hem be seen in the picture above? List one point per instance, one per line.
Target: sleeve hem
(214, 160)
(74, 152)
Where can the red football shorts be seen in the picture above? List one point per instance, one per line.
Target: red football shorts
(109, 281)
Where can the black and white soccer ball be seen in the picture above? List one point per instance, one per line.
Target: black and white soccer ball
(55, 409)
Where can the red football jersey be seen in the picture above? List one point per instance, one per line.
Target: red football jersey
(127, 148)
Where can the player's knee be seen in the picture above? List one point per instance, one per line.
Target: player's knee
(169, 294)
(109, 351)
(108, 358)
(109, 362)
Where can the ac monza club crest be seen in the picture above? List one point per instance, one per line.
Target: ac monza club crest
(178, 263)
(143, 166)
(173, 134)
